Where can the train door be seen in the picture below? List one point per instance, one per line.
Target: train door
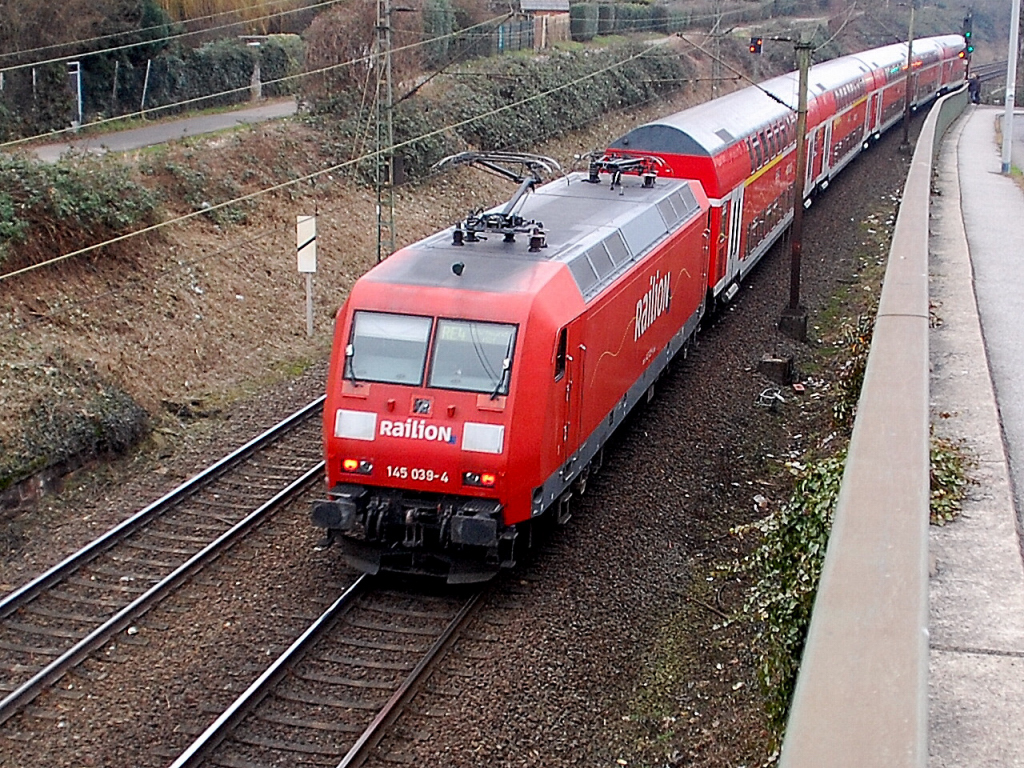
(722, 245)
(569, 362)
(873, 116)
(735, 231)
(563, 393)
(812, 144)
(826, 151)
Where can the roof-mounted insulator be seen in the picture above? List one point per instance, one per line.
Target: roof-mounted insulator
(645, 166)
(538, 240)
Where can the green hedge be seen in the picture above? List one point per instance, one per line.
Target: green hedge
(28, 109)
(188, 74)
(509, 108)
(606, 18)
(632, 17)
(584, 21)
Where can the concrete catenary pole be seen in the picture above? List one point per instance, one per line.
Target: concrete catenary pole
(793, 322)
(910, 72)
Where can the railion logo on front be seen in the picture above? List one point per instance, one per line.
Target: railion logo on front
(416, 429)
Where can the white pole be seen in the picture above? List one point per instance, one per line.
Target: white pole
(145, 86)
(1011, 86)
(309, 304)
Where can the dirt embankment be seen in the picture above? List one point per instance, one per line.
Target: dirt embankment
(101, 350)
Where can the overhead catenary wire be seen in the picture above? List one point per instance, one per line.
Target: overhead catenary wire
(140, 30)
(143, 43)
(379, 152)
(235, 244)
(245, 88)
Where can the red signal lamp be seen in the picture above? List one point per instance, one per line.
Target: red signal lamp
(479, 479)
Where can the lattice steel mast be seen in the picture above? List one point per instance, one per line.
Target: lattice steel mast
(384, 175)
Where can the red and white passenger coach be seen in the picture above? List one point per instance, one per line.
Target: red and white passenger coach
(477, 374)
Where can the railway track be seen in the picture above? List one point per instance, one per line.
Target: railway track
(988, 72)
(52, 623)
(330, 697)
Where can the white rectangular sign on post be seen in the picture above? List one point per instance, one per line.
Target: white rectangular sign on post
(305, 235)
(305, 230)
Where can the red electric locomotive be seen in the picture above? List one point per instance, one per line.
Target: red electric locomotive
(477, 374)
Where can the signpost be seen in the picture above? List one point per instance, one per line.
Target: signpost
(305, 233)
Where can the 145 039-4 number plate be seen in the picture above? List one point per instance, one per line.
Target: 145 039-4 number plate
(415, 473)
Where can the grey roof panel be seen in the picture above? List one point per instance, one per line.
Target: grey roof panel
(596, 231)
(706, 129)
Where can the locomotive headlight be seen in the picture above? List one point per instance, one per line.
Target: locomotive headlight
(479, 479)
(359, 466)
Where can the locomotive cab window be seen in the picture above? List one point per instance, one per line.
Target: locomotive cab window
(473, 356)
(387, 348)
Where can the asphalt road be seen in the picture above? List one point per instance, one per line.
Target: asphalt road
(169, 130)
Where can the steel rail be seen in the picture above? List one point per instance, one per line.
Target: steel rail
(240, 707)
(220, 729)
(19, 597)
(123, 618)
(371, 736)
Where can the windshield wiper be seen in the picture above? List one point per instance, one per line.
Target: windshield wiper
(505, 365)
(350, 370)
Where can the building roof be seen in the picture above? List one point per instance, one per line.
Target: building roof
(560, 6)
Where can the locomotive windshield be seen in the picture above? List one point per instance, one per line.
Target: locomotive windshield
(468, 355)
(388, 348)
(473, 356)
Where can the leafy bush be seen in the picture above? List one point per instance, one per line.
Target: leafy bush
(786, 565)
(183, 74)
(438, 24)
(33, 106)
(91, 198)
(948, 480)
(79, 416)
(632, 17)
(855, 342)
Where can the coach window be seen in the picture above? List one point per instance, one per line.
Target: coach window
(563, 345)
(473, 356)
(387, 348)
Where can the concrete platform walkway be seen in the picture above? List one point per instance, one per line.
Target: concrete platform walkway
(976, 625)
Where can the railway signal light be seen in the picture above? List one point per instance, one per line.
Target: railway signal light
(755, 44)
(968, 32)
